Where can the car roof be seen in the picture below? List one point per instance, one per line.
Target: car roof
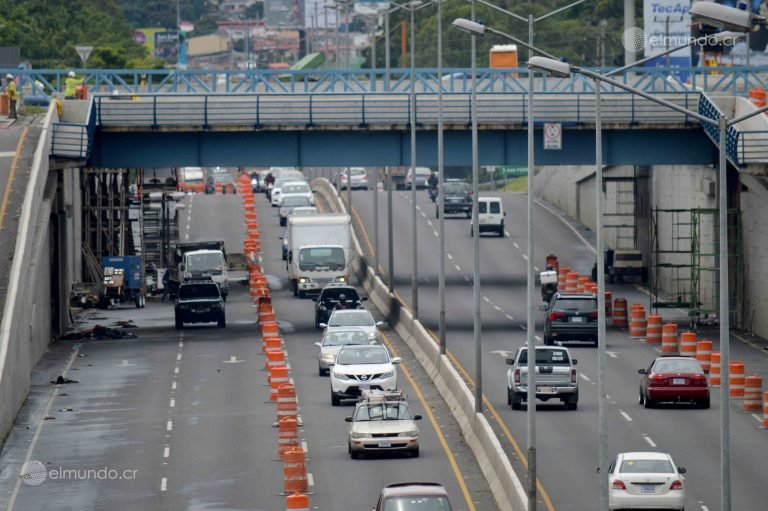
(352, 311)
(644, 455)
(544, 348)
(415, 488)
(575, 296)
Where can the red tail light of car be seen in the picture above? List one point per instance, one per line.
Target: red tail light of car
(657, 379)
(554, 316)
(517, 376)
(573, 376)
(676, 485)
(618, 484)
(592, 315)
(698, 379)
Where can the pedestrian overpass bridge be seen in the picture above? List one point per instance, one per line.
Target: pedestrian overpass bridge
(332, 118)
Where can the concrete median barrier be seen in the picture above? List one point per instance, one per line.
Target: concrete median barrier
(497, 469)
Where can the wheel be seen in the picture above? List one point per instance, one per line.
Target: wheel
(285, 256)
(353, 454)
(283, 222)
(704, 403)
(572, 402)
(471, 232)
(222, 322)
(469, 214)
(514, 400)
(137, 301)
(301, 294)
(415, 453)
(547, 340)
(335, 399)
(640, 398)
(321, 371)
(179, 323)
(501, 232)
(647, 402)
(437, 213)
(571, 406)
(295, 288)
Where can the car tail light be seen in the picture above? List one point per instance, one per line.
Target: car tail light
(676, 485)
(554, 316)
(573, 376)
(592, 315)
(658, 379)
(699, 379)
(517, 376)
(618, 484)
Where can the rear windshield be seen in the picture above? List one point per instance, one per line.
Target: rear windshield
(550, 357)
(482, 207)
(333, 294)
(646, 467)
(297, 188)
(576, 304)
(677, 366)
(631, 256)
(456, 188)
(199, 291)
(429, 503)
(495, 207)
(295, 201)
(321, 259)
(351, 318)
(393, 411)
(339, 338)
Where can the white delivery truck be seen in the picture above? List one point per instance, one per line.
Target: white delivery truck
(199, 260)
(319, 251)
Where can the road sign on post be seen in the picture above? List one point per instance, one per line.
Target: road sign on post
(553, 136)
(84, 52)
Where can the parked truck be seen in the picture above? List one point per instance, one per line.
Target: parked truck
(319, 251)
(199, 260)
(123, 281)
(398, 177)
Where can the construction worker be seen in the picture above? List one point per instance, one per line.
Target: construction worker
(13, 95)
(71, 84)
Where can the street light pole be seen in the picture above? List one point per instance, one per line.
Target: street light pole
(476, 318)
(376, 219)
(440, 180)
(414, 236)
(390, 237)
(386, 52)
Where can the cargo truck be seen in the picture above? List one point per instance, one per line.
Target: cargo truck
(199, 260)
(319, 251)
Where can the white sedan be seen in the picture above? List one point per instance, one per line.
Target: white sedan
(360, 318)
(645, 480)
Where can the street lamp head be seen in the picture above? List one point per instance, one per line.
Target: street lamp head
(414, 4)
(726, 18)
(469, 26)
(727, 37)
(556, 68)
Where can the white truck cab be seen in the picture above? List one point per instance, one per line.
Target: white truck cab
(490, 216)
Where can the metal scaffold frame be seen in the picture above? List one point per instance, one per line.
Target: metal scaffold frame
(685, 255)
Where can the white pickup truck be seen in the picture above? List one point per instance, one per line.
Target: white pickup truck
(555, 378)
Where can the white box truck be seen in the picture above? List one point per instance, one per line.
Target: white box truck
(319, 251)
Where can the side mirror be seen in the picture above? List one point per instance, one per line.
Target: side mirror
(544, 307)
(363, 298)
(574, 361)
(681, 470)
(319, 344)
(181, 267)
(598, 470)
(379, 323)
(373, 341)
(417, 417)
(510, 361)
(348, 419)
(396, 360)
(322, 325)
(314, 298)
(641, 371)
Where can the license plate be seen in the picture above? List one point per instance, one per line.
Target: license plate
(647, 488)
(577, 319)
(678, 381)
(204, 309)
(365, 386)
(385, 443)
(545, 390)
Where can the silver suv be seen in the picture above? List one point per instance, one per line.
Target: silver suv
(556, 377)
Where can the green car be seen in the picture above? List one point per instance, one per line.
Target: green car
(199, 301)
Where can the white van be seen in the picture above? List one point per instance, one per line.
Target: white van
(490, 216)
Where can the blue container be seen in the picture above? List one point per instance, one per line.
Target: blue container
(131, 266)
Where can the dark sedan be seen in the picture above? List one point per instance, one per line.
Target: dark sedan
(674, 380)
(570, 317)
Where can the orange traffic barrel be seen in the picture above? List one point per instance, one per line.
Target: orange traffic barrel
(757, 97)
(653, 332)
(287, 435)
(637, 322)
(268, 327)
(608, 304)
(620, 312)
(271, 342)
(295, 471)
(266, 316)
(753, 391)
(553, 262)
(736, 379)
(765, 409)
(265, 304)
(274, 358)
(278, 375)
(688, 344)
(287, 404)
(704, 354)
(571, 282)
(669, 339)
(581, 284)
(714, 371)
(562, 275)
(297, 502)
(219, 188)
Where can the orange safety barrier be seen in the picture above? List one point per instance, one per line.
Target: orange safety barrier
(265, 304)
(287, 435)
(219, 188)
(269, 327)
(736, 379)
(278, 375)
(765, 410)
(637, 322)
(553, 262)
(571, 282)
(620, 312)
(562, 275)
(581, 284)
(271, 342)
(266, 316)
(287, 404)
(714, 371)
(250, 216)
(688, 344)
(653, 332)
(608, 304)
(753, 390)
(297, 502)
(295, 471)
(669, 339)
(757, 97)
(704, 354)
(274, 358)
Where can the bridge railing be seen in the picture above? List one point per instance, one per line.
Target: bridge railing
(379, 110)
(751, 147)
(132, 81)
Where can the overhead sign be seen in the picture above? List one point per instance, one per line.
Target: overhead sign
(553, 136)
(84, 52)
(666, 24)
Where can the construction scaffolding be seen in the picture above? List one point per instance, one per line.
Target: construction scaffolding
(686, 262)
(619, 216)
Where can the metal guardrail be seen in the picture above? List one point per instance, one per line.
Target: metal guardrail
(74, 140)
(379, 110)
(751, 147)
(733, 80)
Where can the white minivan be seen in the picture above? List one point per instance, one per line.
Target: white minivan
(490, 216)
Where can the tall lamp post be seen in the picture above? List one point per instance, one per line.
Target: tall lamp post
(440, 180)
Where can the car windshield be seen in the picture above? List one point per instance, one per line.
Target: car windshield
(417, 503)
(223, 178)
(332, 295)
(677, 366)
(383, 412)
(199, 291)
(294, 202)
(296, 188)
(342, 337)
(646, 467)
(456, 188)
(362, 356)
(357, 172)
(576, 304)
(551, 357)
(351, 318)
(203, 262)
(301, 211)
(321, 258)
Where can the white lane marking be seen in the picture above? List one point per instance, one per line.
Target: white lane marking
(125, 364)
(625, 415)
(186, 236)
(537, 337)
(516, 245)
(486, 299)
(650, 442)
(176, 370)
(172, 404)
(310, 480)
(510, 317)
(704, 508)
(658, 350)
(524, 327)
(173, 386)
(169, 426)
(163, 484)
(181, 344)
(497, 308)
(466, 277)
(757, 417)
(612, 354)
(449, 256)
(525, 256)
(429, 223)
(536, 268)
(584, 377)
(234, 360)
(167, 452)
(423, 214)
(178, 357)
(304, 446)
(458, 268)
(436, 233)
(506, 233)
(7, 154)
(502, 353)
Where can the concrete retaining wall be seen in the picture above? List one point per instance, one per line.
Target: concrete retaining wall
(25, 330)
(754, 211)
(504, 483)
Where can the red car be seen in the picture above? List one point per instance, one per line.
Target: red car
(674, 379)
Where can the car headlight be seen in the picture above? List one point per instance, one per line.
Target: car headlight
(341, 376)
(355, 435)
(388, 374)
(413, 432)
(371, 335)
(341, 279)
(302, 280)
(329, 358)
(254, 182)
(321, 308)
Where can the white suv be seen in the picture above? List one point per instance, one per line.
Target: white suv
(490, 216)
(360, 368)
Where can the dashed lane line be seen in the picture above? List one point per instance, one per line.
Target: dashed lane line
(650, 442)
(625, 415)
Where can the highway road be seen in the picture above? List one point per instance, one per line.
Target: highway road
(179, 424)
(566, 440)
